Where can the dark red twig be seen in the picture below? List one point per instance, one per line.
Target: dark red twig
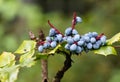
(54, 28)
(99, 36)
(74, 20)
(40, 43)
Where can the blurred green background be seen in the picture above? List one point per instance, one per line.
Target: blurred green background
(18, 17)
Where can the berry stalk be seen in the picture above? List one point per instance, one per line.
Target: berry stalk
(41, 42)
(54, 28)
(74, 20)
(99, 36)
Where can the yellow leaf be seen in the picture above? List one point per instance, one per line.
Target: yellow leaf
(114, 39)
(6, 58)
(106, 50)
(26, 46)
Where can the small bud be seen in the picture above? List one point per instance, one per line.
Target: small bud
(32, 36)
(41, 35)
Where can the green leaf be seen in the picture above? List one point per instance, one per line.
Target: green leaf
(26, 46)
(59, 47)
(41, 56)
(114, 39)
(13, 74)
(106, 50)
(8, 69)
(54, 50)
(9, 74)
(6, 58)
(27, 49)
(27, 59)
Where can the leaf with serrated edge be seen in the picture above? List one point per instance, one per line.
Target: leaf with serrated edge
(59, 47)
(13, 74)
(41, 56)
(54, 50)
(26, 46)
(106, 50)
(114, 39)
(9, 74)
(27, 59)
(6, 58)
(45, 55)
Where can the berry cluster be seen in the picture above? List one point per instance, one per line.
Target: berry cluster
(51, 41)
(76, 43)
(90, 41)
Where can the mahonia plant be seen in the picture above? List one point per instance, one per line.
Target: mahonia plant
(69, 43)
(74, 42)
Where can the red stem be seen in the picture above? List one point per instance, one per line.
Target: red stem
(74, 20)
(54, 28)
(99, 36)
(76, 43)
(40, 43)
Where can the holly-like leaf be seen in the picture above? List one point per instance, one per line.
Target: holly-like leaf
(41, 56)
(106, 50)
(26, 46)
(54, 50)
(59, 47)
(6, 58)
(114, 39)
(27, 49)
(13, 73)
(9, 74)
(27, 59)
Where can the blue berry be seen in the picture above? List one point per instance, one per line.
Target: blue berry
(76, 37)
(79, 49)
(92, 40)
(67, 46)
(99, 42)
(74, 32)
(103, 40)
(52, 32)
(89, 45)
(73, 47)
(70, 40)
(53, 44)
(78, 19)
(80, 43)
(48, 39)
(59, 37)
(94, 34)
(68, 31)
(40, 48)
(89, 34)
(87, 39)
(96, 46)
(82, 38)
(55, 39)
(46, 45)
(65, 38)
